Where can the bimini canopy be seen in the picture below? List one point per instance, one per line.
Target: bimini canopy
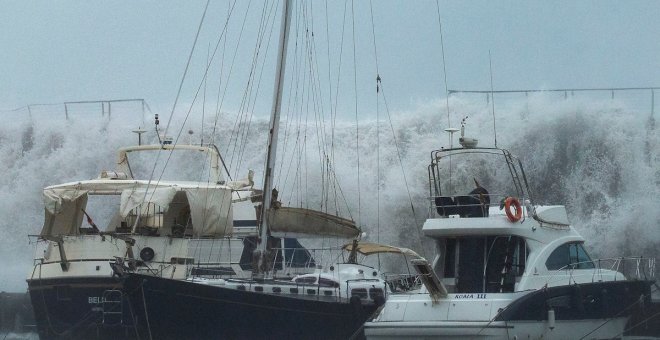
(301, 222)
(209, 206)
(63, 210)
(366, 248)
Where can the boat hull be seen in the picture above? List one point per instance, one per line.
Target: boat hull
(174, 309)
(83, 308)
(593, 310)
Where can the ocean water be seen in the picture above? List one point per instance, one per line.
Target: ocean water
(598, 156)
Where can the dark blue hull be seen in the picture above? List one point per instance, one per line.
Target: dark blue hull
(597, 300)
(81, 308)
(172, 309)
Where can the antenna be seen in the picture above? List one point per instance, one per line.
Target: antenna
(451, 146)
(139, 132)
(492, 95)
(451, 136)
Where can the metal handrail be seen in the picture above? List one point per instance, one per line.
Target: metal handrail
(642, 267)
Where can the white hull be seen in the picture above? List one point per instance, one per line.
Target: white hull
(563, 330)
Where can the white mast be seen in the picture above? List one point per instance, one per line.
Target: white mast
(274, 129)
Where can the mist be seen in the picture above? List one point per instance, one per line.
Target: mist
(599, 157)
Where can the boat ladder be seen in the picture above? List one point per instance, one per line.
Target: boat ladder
(112, 307)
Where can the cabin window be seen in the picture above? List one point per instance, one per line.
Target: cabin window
(450, 258)
(376, 293)
(569, 256)
(296, 255)
(360, 292)
(485, 264)
(323, 282)
(306, 280)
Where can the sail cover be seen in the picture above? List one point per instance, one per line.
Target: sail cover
(304, 222)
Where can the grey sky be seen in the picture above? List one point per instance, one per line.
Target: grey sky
(55, 51)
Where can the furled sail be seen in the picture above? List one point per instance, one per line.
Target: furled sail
(300, 222)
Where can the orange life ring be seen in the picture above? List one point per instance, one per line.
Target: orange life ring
(512, 201)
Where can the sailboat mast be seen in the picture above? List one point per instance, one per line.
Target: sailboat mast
(274, 124)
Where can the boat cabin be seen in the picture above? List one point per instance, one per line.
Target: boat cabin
(489, 235)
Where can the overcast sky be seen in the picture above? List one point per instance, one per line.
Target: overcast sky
(56, 51)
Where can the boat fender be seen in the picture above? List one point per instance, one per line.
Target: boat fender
(147, 254)
(508, 203)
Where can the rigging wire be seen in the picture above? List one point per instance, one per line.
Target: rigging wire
(153, 170)
(332, 126)
(201, 142)
(398, 151)
(357, 123)
(227, 82)
(378, 178)
(492, 101)
(252, 98)
(444, 67)
(185, 71)
(334, 118)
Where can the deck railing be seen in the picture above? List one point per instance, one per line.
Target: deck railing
(470, 205)
(633, 268)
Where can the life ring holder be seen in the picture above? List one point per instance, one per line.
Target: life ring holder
(512, 202)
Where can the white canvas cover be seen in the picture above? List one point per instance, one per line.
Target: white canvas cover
(210, 206)
(211, 211)
(63, 210)
(132, 198)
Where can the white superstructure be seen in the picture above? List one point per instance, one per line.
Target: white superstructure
(513, 270)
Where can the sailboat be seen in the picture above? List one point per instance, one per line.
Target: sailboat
(331, 303)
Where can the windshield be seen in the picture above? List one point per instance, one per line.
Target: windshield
(172, 165)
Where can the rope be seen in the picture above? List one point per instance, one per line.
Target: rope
(612, 318)
(146, 314)
(637, 324)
